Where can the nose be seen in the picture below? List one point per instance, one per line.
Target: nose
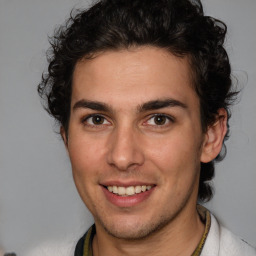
(125, 152)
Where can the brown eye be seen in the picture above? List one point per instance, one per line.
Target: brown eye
(97, 120)
(160, 120)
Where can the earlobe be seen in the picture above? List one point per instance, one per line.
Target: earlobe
(214, 137)
(64, 136)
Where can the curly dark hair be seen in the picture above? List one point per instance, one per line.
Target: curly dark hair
(179, 26)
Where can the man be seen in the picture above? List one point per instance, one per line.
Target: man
(142, 90)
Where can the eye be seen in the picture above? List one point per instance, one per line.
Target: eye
(96, 120)
(159, 120)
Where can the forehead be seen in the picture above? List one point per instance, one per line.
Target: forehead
(133, 75)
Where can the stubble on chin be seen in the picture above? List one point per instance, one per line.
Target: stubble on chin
(139, 231)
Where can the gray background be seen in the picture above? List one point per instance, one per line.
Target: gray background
(38, 201)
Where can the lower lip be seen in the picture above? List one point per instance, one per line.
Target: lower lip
(127, 201)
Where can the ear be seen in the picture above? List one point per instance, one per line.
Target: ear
(214, 137)
(64, 136)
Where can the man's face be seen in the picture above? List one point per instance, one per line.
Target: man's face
(135, 140)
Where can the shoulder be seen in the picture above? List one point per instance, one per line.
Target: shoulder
(222, 242)
(231, 244)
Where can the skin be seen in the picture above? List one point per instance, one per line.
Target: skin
(125, 144)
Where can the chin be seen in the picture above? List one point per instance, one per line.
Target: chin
(135, 230)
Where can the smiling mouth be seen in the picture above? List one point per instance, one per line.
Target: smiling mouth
(128, 191)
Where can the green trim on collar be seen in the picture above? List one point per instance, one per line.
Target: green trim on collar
(206, 219)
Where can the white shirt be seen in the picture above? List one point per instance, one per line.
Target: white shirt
(221, 242)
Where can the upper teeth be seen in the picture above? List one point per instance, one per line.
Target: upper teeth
(128, 191)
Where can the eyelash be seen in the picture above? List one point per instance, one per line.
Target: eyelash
(167, 119)
(86, 123)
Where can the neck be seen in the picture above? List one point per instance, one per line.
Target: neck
(179, 237)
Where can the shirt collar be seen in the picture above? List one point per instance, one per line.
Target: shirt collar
(205, 217)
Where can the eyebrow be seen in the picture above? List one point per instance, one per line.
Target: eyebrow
(158, 104)
(94, 105)
(147, 106)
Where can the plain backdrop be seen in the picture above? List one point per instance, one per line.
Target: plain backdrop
(38, 200)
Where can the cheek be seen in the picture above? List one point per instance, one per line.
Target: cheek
(86, 165)
(173, 150)
(85, 157)
(177, 157)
